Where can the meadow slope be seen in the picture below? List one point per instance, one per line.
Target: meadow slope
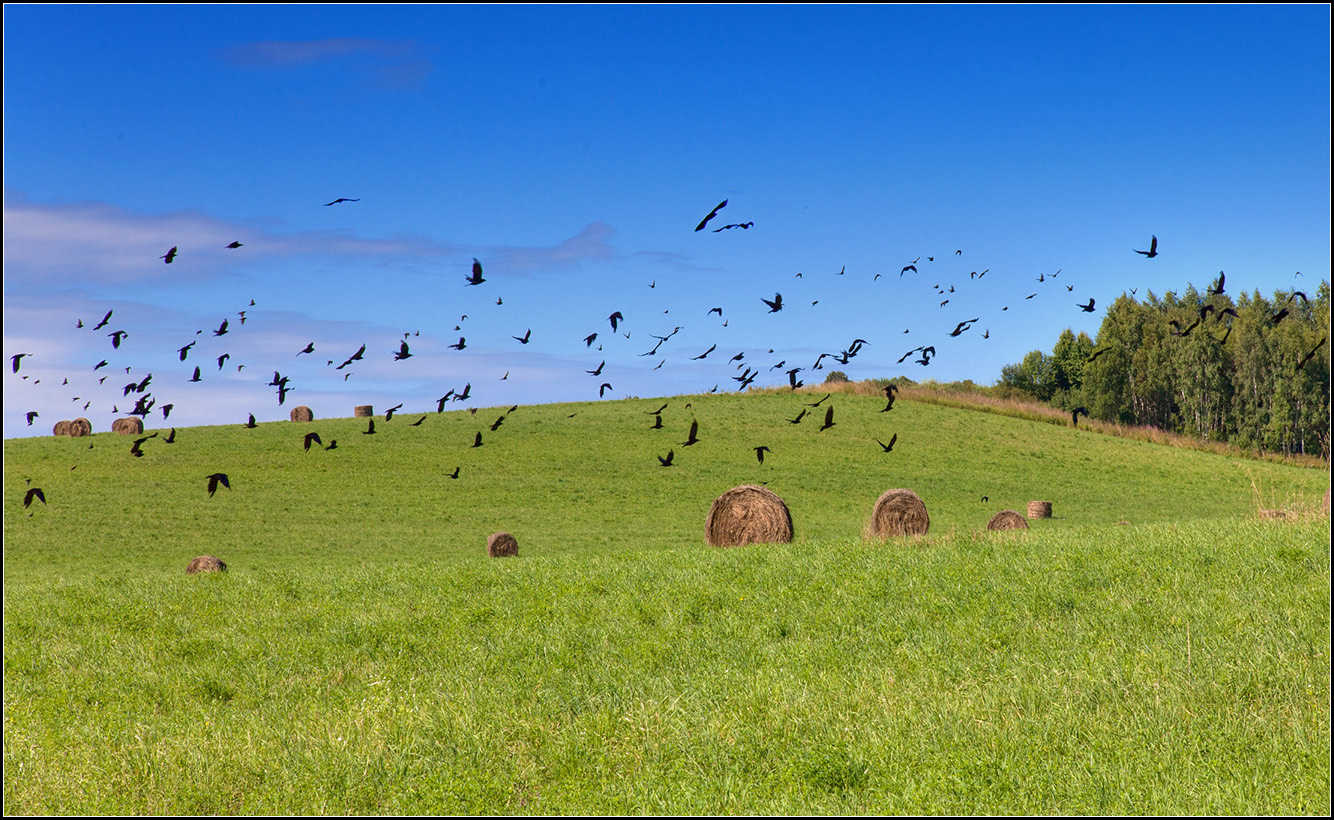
(363, 656)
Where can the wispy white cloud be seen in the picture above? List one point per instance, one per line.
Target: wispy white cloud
(592, 244)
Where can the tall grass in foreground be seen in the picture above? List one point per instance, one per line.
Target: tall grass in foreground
(1164, 669)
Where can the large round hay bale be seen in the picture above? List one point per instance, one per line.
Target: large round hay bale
(206, 563)
(898, 512)
(80, 427)
(1007, 520)
(362, 411)
(302, 413)
(61, 428)
(748, 514)
(1039, 509)
(131, 426)
(502, 545)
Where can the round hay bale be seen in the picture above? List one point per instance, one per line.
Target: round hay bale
(80, 427)
(131, 426)
(1039, 509)
(362, 411)
(1007, 520)
(898, 512)
(302, 413)
(206, 563)
(502, 545)
(61, 428)
(748, 514)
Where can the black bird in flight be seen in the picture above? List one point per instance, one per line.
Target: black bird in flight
(776, 305)
(711, 215)
(477, 442)
(667, 462)
(103, 323)
(1074, 415)
(17, 357)
(496, 424)
(1086, 308)
(403, 352)
(370, 428)
(742, 225)
(614, 318)
(760, 451)
(657, 423)
(962, 326)
(310, 348)
(1214, 291)
(418, 422)
(340, 199)
(523, 340)
(223, 359)
(589, 339)
(799, 417)
(234, 245)
(1153, 249)
(705, 353)
(693, 437)
(33, 492)
(821, 401)
(171, 437)
(657, 412)
(597, 372)
(462, 343)
(222, 328)
(32, 414)
(313, 437)
(250, 423)
(1310, 355)
(476, 278)
(116, 338)
(454, 474)
(355, 357)
(907, 268)
(389, 414)
(890, 445)
(216, 479)
(828, 418)
(1098, 353)
(195, 377)
(185, 350)
(603, 389)
(169, 255)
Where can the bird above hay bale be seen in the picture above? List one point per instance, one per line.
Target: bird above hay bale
(898, 512)
(206, 563)
(748, 514)
(302, 413)
(1039, 509)
(1007, 520)
(502, 545)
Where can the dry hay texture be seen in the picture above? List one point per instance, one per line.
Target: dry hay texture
(502, 545)
(898, 512)
(131, 426)
(80, 427)
(1039, 509)
(1007, 520)
(206, 563)
(362, 411)
(61, 428)
(302, 413)
(748, 514)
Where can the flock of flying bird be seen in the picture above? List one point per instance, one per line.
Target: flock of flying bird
(145, 402)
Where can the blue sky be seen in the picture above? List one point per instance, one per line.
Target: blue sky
(573, 150)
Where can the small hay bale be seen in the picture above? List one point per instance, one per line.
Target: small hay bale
(302, 413)
(61, 428)
(206, 563)
(131, 426)
(1039, 509)
(748, 514)
(80, 427)
(1007, 520)
(363, 411)
(502, 545)
(898, 512)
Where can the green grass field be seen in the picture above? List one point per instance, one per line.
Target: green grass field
(363, 655)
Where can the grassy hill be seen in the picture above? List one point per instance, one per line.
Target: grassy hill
(362, 655)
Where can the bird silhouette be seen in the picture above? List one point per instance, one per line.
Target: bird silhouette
(821, 401)
(116, 339)
(222, 328)
(760, 451)
(776, 305)
(103, 323)
(195, 377)
(828, 418)
(477, 442)
(711, 215)
(185, 350)
(890, 446)
(234, 245)
(312, 438)
(171, 437)
(250, 423)
(1218, 286)
(216, 479)
(1086, 308)
(741, 225)
(693, 437)
(523, 340)
(461, 344)
(1074, 415)
(476, 278)
(18, 357)
(614, 319)
(389, 414)
(1310, 355)
(705, 353)
(907, 268)
(589, 339)
(354, 357)
(454, 474)
(333, 444)
(603, 389)
(799, 417)
(33, 493)
(340, 199)
(598, 371)
(657, 423)
(169, 256)
(667, 462)
(310, 348)
(1153, 249)
(370, 428)
(403, 352)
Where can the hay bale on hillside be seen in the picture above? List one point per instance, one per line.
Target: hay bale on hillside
(206, 563)
(748, 514)
(80, 427)
(302, 413)
(131, 426)
(898, 512)
(502, 545)
(363, 411)
(1007, 520)
(61, 428)
(1039, 509)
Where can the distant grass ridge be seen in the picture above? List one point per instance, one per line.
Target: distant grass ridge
(362, 655)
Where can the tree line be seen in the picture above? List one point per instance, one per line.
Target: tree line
(1252, 371)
